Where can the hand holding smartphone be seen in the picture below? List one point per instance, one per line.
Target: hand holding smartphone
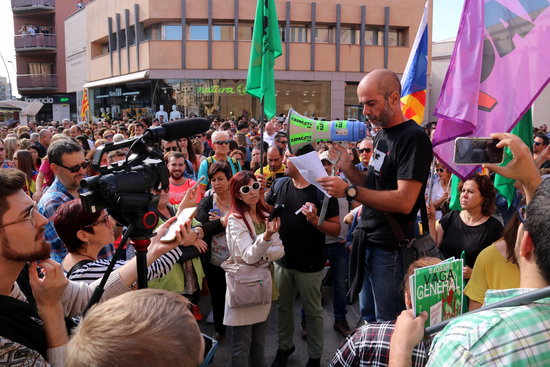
(185, 214)
(477, 151)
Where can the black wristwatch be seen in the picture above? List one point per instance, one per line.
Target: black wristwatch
(351, 192)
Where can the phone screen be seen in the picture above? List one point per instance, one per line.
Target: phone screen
(477, 151)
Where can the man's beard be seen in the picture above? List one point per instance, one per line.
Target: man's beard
(176, 175)
(385, 117)
(12, 254)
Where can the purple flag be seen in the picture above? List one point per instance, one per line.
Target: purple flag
(500, 64)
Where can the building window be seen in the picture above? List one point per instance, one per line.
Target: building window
(153, 32)
(349, 36)
(396, 37)
(245, 32)
(197, 32)
(299, 34)
(171, 32)
(323, 35)
(131, 35)
(223, 32)
(40, 68)
(371, 36)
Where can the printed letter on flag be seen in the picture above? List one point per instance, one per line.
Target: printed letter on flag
(500, 64)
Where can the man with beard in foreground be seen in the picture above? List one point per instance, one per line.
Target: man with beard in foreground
(391, 186)
(179, 184)
(34, 299)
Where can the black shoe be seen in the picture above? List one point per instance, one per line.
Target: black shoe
(313, 362)
(342, 327)
(304, 330)
(282, 356)
(219, 337)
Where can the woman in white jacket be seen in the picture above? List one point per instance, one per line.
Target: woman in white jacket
(250, 238)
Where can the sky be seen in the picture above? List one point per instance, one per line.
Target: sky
(446, 16)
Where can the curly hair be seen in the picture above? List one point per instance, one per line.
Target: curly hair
(487, 190)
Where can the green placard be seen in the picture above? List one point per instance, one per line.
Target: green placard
(438, 290)
(322, 126)
(340, 124)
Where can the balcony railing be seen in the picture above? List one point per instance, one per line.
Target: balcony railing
(36, 81)
(32, 5)
(40, 41)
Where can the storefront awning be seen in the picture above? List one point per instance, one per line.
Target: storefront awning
(118, 79)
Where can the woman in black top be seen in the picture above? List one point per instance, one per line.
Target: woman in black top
(473, 228)
(211, 212)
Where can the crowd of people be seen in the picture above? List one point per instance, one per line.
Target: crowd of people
(54, 252)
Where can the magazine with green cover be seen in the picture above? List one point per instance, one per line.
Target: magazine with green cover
(438, 290)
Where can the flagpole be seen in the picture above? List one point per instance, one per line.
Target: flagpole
(262, 136)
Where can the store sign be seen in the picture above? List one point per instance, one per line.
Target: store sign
(215, 89)
(44, 100)
(115, 93)
(54, 99)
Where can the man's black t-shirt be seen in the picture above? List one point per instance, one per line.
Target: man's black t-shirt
(303, 243)
(402, 152)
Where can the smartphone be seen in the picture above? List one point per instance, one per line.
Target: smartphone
(277, 210)
(185, 214)
(477, 151)
(216, 212)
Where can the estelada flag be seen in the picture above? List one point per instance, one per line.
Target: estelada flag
(414, 80)
(500, 64)
(85, 105)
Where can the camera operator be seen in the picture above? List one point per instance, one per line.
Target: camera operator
(28, 337)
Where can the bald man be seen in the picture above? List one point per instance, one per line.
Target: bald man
(390, 186)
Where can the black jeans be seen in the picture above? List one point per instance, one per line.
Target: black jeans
(215, 276)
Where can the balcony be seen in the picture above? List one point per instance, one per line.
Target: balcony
(37, 42)
(27, 6)
(30, 82)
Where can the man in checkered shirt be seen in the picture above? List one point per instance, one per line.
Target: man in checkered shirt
(503, 336)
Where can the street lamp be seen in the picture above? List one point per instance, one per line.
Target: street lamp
(7, 71)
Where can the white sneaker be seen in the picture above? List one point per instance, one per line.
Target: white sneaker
(210, 318)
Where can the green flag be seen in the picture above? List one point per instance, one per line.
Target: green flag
(454, 203)
(524, 129)
(265, 48)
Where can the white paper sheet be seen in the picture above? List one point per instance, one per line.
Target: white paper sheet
(311, 168)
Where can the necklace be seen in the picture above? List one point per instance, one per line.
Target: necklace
(221, 204)
(85, 256)
(474, 223)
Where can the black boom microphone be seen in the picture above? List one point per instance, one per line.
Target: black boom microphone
(177, 129)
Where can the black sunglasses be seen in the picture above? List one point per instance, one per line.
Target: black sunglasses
(537, 143)
(222, 142)
(367, 150)
(171, 149)
(76, 168)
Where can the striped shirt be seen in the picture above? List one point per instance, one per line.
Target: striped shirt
(369, 345)
(95, 269)
(505, 336)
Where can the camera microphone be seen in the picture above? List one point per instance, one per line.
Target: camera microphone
(178, 129)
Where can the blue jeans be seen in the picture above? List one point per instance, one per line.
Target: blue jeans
(386, 274)
(366, 297)
(338, 258)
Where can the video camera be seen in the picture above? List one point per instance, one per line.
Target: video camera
(125, 188)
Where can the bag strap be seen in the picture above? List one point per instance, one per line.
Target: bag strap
(77, 266)
(396, 228)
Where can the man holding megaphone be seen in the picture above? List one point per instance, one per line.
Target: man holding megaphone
(397, 170)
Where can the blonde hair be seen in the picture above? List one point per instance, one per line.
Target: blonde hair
(148, 327)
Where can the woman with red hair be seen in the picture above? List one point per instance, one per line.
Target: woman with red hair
(251, 238)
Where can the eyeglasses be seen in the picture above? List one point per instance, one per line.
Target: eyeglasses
(285, 142)
(364, 150)
(210, 348)
(27, 217)
(222, 142)
(76, 168)
(522, 214)
(537, 143)
(246, 189)
(171, 149)
(441, 170)
(108, 136)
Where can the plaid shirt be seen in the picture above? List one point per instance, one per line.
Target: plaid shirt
(369, 345)
(52, 199)
(506, 336)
